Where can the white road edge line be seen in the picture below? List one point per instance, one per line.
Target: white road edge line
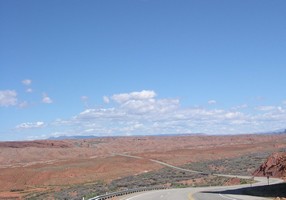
(223, 196)
(142, 194)
(130, 198)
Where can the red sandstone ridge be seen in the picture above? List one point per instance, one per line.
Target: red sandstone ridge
(274, 166)
(38, 144)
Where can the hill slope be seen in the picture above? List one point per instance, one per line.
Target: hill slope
(274, 166)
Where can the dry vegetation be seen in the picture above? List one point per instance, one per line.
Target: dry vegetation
(74, 168)
(242, 165)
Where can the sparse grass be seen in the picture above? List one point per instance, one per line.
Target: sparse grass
(243, 165)
(160, 177)
(16, 190)
(88, 196)
(75, 192)
(179, 185)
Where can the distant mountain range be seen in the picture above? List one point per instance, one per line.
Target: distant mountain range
(76, 137)
(280, 131)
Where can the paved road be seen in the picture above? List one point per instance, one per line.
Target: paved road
(200, 193)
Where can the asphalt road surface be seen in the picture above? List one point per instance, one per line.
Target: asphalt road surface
(201, 193)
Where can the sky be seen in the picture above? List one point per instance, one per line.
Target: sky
(141, 67)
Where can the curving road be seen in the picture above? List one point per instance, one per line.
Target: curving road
(201, 193)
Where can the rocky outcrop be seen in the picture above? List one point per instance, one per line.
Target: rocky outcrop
(274, 166)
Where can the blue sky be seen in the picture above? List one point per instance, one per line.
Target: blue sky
(133, 67)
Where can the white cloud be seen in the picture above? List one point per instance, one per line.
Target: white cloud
(143, 102)
(37, 137)
(29, 90)
(211, 102)
(150, 106)
(8, 98)
(144, 113)
(84, 98)
(106, 99)
(27, 82)
(233, 115)
(29, 125)
(265, 108)
(239, 107)
(23, 104)
(101, 114)
(46, 99)
(143, 95)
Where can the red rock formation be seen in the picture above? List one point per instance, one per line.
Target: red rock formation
(274, 166)
(38, 144)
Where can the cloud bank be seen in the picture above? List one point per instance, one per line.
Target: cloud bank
(144, 113)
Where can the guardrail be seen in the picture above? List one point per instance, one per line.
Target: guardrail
(121, 193)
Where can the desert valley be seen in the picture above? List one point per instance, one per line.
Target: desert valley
(73, 169)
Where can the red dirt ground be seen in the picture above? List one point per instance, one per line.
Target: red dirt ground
(27, 167)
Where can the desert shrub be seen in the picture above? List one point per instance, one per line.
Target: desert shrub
(243, 165)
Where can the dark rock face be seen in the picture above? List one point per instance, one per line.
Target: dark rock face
(274, 166)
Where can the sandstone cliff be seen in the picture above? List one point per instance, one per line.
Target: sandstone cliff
(274, 166)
